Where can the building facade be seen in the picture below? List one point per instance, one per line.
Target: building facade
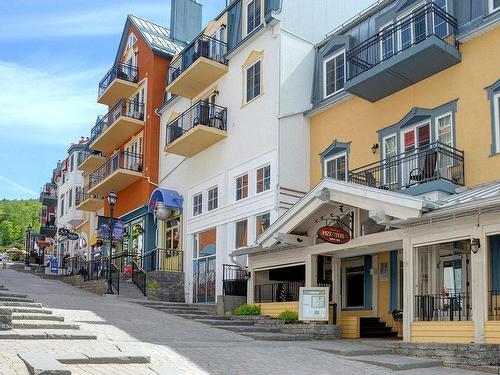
(404, 135)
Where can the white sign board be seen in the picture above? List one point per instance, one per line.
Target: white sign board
(313, 303)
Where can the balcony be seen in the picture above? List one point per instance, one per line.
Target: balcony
(196, 129)
(88, 202)
(120, 82)
(91, 160)
(123, 121)
(120, 171)
(417, 47)
(197, 67)
(433, 167)
(48, 196)
(48, 224)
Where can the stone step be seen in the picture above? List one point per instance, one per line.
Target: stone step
(173, 308)
(179, 312)
(21, 304)
(29, 310)
(203, 317)
(148, 303)
(38, 334)
(4, 294)
(15, 299)
(350, 349)
(23, 316)
(397, 362)
(42, 324)
(222, 322)
(248, 328)
(269, 336)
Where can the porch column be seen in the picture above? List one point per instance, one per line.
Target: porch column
(250, 284)
(336, 270)
(311, 270)
(408, 287)
(479, 273)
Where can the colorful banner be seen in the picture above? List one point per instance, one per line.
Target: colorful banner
(103, 228)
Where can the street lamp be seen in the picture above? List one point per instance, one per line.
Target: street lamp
(112, 198)
(28, 246)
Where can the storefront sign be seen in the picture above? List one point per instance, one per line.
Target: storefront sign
(63, 231)
(72, 236)
(103, 228)
(53, 265)
(334, 235)
(313, 303)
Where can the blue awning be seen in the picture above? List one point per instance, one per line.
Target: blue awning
(169, 198)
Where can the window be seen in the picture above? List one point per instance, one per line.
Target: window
(263, 179)
(253, 15)
(253, 81)
(197, 204)
(71, 163)
(390, 152)
(387, 42)
(262, 222)
(172, 237)
(440, 23)
(131, 40)
(494, 5)
(70, 197)
(412, 27)
(496, 121)
(62, 205)
(336, 167)
(334, 73)
(242, 187)
(241, 234)
(444, 130)
(205, 243)
(213, 198)
(354, 283)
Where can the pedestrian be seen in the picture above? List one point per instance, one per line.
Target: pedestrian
(5, 258)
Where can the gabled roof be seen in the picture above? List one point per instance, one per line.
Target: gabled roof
(157, 37)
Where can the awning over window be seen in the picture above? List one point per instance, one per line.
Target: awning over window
(169, 198)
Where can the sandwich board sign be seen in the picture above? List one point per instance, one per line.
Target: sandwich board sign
(313, 303)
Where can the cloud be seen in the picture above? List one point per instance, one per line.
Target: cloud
(18, 186)
(50, 107)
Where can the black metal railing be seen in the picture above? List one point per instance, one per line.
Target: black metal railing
(96, 269)
(139, 275)
(120, 160)
(436, 161)
(494, 305)
(124, 108)
(234, 280)
(74, 265)
(421, 24)
(125, 72)
(443, 307)
(204, 46)
(115, 277)
(278, 292)
(84, 155)
(49, 191)
(163, 260)
(201, 113)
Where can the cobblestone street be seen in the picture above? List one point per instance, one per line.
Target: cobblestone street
(176, 345)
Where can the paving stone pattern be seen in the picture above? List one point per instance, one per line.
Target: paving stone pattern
(175, 345)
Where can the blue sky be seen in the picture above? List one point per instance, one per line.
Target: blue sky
(53, 54)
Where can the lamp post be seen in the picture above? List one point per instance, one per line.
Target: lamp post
(112, 197)
(28, 246)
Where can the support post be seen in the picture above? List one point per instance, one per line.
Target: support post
(478, 285)
(311, 270)
(408, 287)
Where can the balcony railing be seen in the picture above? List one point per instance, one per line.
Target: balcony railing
(435, 161)
(443, 307)
(234, 280)
(494, 305)
(205, 46)
(278, 292)
(84, 155)
(125, 72)
(163, 260)
(121, 160)
(201, 113)
(128, 108)
(82, 195)
(423, 23)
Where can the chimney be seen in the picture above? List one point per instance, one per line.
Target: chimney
(185, 19)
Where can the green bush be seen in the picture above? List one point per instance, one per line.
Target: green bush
(289, 316)
(153, 285)
(247, 310)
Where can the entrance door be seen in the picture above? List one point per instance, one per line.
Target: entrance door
(454, 274)
(413, 141)
(204, 280)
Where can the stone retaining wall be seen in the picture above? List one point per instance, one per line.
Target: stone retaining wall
(171, 286)
(5, 318)
(92, 286)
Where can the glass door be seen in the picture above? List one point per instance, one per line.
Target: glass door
(204, 271)
(414, 166)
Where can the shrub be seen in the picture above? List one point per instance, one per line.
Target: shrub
(288, 316)
(247, 310)
(153, 285)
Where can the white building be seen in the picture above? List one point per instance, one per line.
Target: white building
(235, 143)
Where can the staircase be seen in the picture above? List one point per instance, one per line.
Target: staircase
(374, 327)
(129, 290)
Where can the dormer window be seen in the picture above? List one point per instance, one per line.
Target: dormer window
(334, 73)
(131, 40)
(253, 15)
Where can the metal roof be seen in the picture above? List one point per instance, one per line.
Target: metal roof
(158, 37)
(471, 195)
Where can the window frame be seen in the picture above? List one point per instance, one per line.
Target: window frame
(384, 157)
(352, 263)
(496, 121)
(400, 19)
(491, 7)
(197, 205)
(436, 125)
(263, 179)
(242, 187)
(335, 157)
(245, 78)
(130, 44)
(236, 245)
(216, 199)
(268, 214)
(261, 18)
(325, 62)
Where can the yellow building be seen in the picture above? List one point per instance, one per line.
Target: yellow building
(405, 162)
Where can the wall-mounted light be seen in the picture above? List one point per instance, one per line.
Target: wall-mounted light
(375, 147)
(223, 26)
(475, 245)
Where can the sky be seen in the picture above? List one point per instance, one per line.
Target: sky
(53, 53)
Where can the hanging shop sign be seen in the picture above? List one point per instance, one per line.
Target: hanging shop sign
(63, 231)
(334, 235)
(72, 236)
(103, 227)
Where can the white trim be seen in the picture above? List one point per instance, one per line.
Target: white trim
(491, 6)
(384, 157)
(245, 19)
(332, 158)
(381, 29)
(496, 113)
(436, 126)
(325, 61)
(412, 25)
(236, 186)
(263, 179)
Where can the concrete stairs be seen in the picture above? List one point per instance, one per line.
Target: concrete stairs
(375, 328)
(129, 290)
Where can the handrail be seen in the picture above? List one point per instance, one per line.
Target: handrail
(163, 260)
(139, 275)
(494, 305)
(86, 154)
(120, 160)
(278, 292)
(422, 23)
(234, 280)
(446, 306)
(123, 71)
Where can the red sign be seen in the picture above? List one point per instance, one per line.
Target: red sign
(334, 235)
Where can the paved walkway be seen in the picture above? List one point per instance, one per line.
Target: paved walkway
(176, 345)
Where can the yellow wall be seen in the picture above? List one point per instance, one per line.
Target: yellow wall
(492, 332)
(274, 308)
(349, 322)
(358, 120)
(443, 332)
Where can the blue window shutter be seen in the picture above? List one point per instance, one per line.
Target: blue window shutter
(368, 282)
(394, 279)
(495, 263)
(234, 26)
